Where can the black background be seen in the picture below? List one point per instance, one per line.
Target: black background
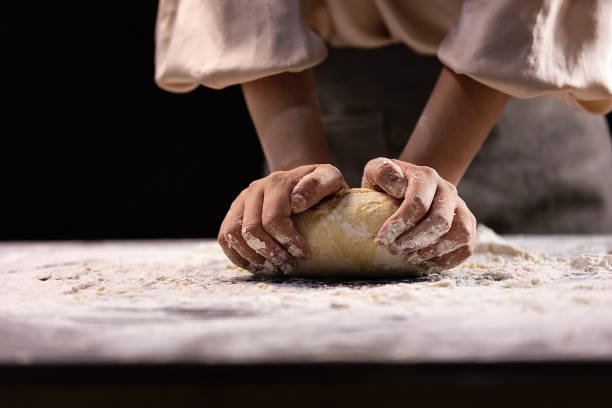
(92, 149)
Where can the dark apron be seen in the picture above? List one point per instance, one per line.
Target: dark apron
(545, 167)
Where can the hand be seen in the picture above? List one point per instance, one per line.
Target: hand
(257, 233)
(433, 223)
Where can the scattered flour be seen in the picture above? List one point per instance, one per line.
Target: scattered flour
(593, 263)
(182, 301)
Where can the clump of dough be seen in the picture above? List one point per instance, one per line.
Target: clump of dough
(340, 232)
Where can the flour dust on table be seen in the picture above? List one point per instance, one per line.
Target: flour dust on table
(517, 298)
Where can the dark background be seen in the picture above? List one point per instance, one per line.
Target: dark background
(92, 149)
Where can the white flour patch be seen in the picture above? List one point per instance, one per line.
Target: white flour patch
(593, 263)
(525, 298)
(359, 232)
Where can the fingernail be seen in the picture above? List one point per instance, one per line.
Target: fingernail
(298, 202)
(395, 184)
(397, 188)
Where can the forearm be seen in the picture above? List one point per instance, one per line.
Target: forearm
(287, 117)
(456, 120)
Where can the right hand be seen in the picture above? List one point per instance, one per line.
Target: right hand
(257, 233)
(433, 223)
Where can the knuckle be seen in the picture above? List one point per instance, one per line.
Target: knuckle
(375, 160)
(466, 225)
(332, 170)
(443, 221)
(252, 185)
(233, 228)
(429, 172)
(239, 199)
(418, 205)
(373, 163)
(309, 184)
(270, 222)
(300, 169)
(251, 229)
(465, 231)
(221, 239)
(274, 177)
(451, 187)
(278, 178)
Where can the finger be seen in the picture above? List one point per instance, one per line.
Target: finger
(276, 217)
(231, 234)
(470, 215)
(256, 237)
(384, 174)
(435, 224)
(419, 196)
(462, 233)
(234, 256)
(323, 181)
(454, 258)
(257, 263)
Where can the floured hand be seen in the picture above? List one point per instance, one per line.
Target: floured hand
(433, 223)
(257, 233)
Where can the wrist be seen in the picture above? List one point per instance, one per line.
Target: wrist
(286, 115)
(456, 120)
(294, 137)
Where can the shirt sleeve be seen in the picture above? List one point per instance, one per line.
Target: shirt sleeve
(217, 43)
(530, 48)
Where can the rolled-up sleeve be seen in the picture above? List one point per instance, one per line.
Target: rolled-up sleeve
(530, 48)
(217, 43)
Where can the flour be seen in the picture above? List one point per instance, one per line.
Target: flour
(253, 241)
(515, 299)
(293, 249)
(490, 242)
(358, 232)
(394, 229)
(593, 263)
(279, 258)
(426, 238)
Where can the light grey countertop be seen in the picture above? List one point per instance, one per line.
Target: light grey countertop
(530, 298)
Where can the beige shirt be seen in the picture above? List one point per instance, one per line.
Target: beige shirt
(524, 48)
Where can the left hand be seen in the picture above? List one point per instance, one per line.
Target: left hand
(433, 223)
(257, 233)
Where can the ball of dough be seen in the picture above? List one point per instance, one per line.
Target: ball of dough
(340, 232)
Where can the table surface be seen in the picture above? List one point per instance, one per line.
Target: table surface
(524, 299)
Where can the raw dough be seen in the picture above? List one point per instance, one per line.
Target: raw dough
(340, 232)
